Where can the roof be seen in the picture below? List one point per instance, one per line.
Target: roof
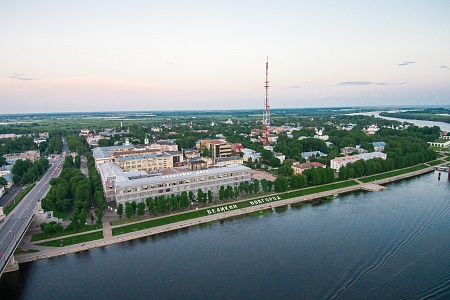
(309, 165)
(378, 144)
(176, 174)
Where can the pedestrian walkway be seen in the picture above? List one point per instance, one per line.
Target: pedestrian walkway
(107, 232)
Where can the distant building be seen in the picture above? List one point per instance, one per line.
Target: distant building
(339, 162)
(299, 168)
(349, 150)
(2, 190)
(308, 155)
(280, 156)
(379, 146)
(32, 155)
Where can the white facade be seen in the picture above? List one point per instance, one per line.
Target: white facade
(125, 187)
(339, 162)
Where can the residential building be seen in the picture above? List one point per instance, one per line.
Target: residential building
(299, 168)
(308, 155)
(280, 156)
(232, 160)
(339, 162)
(378, 146)
(32, 155)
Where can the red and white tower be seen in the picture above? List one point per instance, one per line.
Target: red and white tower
(266, 113)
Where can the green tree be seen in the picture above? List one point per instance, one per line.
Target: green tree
(134, 206)
(120, 210)
(140, 209)
(99, 215)
(128, 210)
(281, 184)
(210, 196)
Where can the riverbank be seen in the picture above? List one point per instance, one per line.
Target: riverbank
(257, 204)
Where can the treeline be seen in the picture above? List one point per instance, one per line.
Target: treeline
(95, 183)
(24, 143)
(71, 190)
(76, 144)
(366, 167)
(24, 171)
(163, 204)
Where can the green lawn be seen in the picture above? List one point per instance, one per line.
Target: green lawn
(73, 240)
(43, 236)
(24, 251)
(204, 212)
(60, 215)
(392, 173)
(434, 162)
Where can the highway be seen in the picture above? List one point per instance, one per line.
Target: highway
(16, 223)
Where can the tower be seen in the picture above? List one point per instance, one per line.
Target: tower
(266, 113)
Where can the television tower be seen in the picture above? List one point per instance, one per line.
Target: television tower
(266, 113)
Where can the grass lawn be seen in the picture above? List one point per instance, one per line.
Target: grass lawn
(43, 236)
(203, 212)
(434, 162)
(23, 251)
(10, 207)
(71, 240)
(392, 173)
(60, 215)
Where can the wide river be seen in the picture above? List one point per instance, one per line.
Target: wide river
(393, 244)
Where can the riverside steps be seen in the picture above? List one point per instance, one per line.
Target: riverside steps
(255, 204)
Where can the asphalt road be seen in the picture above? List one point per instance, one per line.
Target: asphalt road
(16, 223)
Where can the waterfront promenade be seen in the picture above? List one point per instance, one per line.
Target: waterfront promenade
(108, 238)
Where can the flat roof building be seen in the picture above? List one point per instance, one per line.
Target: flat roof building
(135, 186)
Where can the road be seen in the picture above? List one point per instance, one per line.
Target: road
(16, 223)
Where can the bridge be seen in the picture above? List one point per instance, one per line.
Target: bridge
(17, 222)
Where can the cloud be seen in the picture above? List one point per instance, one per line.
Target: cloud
(406, 63)
(21, 77)
(349, 83)
(443, 67)
(294, 87)
(353, 83)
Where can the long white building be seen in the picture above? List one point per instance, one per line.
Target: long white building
(339, 162)
(136, 186)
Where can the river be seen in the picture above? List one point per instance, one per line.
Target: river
(420, 123)
(392, 244)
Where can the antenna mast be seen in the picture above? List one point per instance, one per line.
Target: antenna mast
(266, 113)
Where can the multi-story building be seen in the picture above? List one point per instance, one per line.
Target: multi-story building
(32, 155)
(145, 162)
(339, 162)
(136, 186)
(299, 168)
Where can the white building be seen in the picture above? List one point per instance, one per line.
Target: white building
(339, 162)
(137, 186)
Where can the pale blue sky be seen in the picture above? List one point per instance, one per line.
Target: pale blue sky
(158, 55)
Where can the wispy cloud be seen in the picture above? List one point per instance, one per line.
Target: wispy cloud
(21, 77)
(406, 63)
(443, 67)
(357, 83)
(294, 87)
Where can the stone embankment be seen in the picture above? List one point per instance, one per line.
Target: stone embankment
(109, 239)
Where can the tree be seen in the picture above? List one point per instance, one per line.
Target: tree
(99, 215)
(140, 209)
(120, 210)
(128, 210)
(134, 206)
(200, 195)
(151, 205)
(256, 186)
(281, 184)
(221, 193)
(82, 217)
(191, 196)
(3, 181)
(206, 152)
(298, 181)
(210, 196)
(77, 162)
(92, 218)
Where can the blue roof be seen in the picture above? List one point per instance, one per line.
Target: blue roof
(378, 144)
(8, 177)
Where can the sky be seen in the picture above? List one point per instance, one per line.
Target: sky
(77, 56)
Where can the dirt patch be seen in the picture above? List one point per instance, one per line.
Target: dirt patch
(262, 175)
